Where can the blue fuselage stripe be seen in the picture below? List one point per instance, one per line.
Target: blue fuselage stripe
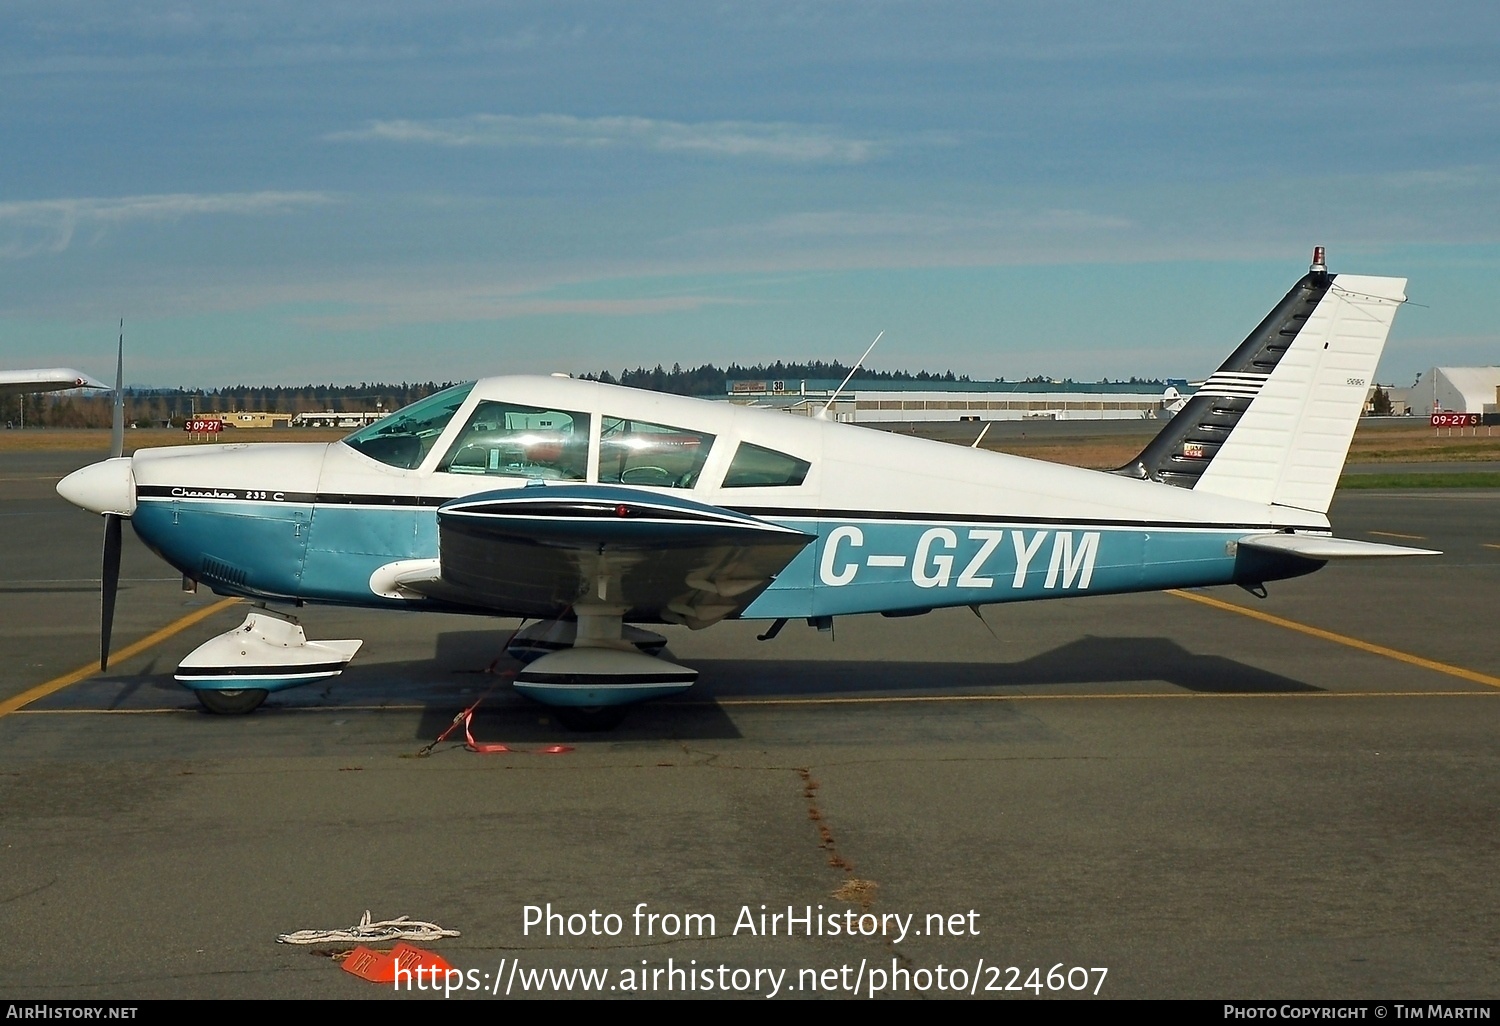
(856, 563)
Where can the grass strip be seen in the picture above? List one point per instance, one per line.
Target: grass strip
(1477, 479)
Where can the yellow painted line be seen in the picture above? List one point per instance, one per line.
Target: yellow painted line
(1192, 695)
(56, 684)
(194, 710)
(883, 700)
(101, 712)
(1488, 545)
(1393, 534)
(1342, 639)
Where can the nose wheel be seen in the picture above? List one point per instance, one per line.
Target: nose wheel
(268, 652)
(236, 702)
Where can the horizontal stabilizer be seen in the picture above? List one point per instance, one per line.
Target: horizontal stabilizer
(1322, 546)
(50, 379)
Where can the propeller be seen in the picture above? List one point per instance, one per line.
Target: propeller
(109, 585)
(110, 578)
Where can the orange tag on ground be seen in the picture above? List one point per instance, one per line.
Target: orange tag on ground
(368, 964)
(409, 958)
(406, 965)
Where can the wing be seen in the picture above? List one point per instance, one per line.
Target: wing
(540, 551)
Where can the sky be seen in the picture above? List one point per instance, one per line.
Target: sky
(291, 192)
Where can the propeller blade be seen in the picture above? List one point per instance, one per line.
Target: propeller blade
(110, 584)
(117, 425)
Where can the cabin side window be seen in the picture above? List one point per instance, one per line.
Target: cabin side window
(633, 452)
(405, 437)
(510, 440)
(754, 466)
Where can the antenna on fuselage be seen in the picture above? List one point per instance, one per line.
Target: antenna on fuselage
(823, 413)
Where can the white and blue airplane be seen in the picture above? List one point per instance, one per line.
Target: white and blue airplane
(592, 509)
(47, 379)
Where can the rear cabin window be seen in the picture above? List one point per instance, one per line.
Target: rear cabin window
(757, 467)
(509, 440)
(632, 452)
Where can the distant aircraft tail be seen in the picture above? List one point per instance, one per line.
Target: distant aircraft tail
(1273, 424)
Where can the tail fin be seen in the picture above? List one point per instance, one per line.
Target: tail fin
(1273, 424)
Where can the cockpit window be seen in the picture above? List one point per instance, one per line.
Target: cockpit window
(756, 467)
(405, 437)
(510, 440)
(632, 452)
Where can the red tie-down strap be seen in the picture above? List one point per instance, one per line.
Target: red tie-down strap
(468, 714)
(484, 748)
(467, 717)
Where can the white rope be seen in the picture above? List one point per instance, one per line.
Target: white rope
(400, 928)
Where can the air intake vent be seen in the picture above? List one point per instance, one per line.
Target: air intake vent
(216, 571)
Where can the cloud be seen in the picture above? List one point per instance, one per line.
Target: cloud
(770, 141)
(417, 305)
(1438, 178)
(915, 227)
(49, 226)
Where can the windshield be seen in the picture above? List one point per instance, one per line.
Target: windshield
(405, 437)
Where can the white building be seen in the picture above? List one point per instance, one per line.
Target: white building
(866, 401)
(330, 419)
(1458, 390)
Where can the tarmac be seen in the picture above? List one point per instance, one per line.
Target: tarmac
(1198, 795)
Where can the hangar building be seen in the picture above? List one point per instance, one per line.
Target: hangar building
(866, 401)
(1458, 390)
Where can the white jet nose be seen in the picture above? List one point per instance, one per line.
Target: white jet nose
(106, 487)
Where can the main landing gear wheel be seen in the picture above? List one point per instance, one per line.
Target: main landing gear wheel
(590, 719)
(236, 702)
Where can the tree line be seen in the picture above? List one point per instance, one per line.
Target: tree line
(151, 407)
(711, 380)
(156, 406)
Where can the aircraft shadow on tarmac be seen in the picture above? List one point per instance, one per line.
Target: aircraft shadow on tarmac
(48, 589)
(1089, 660)
(465, 669)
